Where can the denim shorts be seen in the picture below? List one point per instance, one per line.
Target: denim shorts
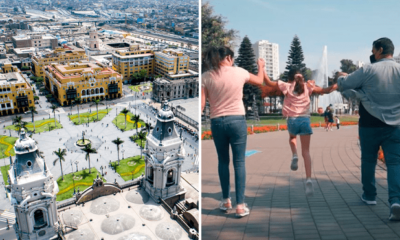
(299, 126)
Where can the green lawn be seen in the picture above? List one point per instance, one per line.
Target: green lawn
(66, 187)
(119, 121)
(88, 117)
(135, 167)
(7, 146)
(4, 173)
(136, 88)
(40, 126)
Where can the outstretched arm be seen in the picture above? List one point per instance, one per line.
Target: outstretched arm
(258, 79)
(203, 98)
(268, 81)
(320, 90)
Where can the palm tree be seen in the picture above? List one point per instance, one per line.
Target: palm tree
(148, 127)
(54, 109)
(78, 100)
(141, 136)
(125, 112)
(135, 119)
(21, 125)
(33, 112)
(17, 119)
(89, 150)
(60, 154)
(97, 102)
(117, 142)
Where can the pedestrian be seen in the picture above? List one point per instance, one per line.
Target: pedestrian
(228, 117)
(376, 85)
(326, 113)
(296, 107)
(337, 122)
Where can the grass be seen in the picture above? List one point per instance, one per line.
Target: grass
(66, 187)
(6, 146)
(88, 117)
(137, 141)
(119, 121)
(126, 171)
(40, 126)
(4, 173)
(136, 88)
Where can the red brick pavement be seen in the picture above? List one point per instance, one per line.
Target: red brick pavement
(275, 195)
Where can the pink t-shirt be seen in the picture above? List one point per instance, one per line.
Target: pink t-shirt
(224, 90)
(296, 105)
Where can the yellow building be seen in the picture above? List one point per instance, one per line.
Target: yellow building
(16, 95)
(127, 62)
(59, 55)
(8, 68)
(87, 81)
(171, 63)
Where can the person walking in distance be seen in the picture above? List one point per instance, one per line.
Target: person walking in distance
(337, 122)
(377, 86)
(296, 107)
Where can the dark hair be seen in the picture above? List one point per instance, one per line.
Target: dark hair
(299, 88)
(213, 56)
(386, 44)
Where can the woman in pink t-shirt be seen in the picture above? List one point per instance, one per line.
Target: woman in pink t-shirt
(296, 107)
(222, 85)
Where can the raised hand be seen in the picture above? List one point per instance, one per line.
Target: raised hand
(261, 63)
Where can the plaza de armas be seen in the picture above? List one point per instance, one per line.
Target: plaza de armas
(94, 145)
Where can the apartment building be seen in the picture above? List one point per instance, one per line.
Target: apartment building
(270, 53)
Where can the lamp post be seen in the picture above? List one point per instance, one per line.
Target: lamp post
(76, 162)
(123, 150)
(102, 171)
(73, 182)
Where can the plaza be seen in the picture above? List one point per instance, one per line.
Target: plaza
(279, 208)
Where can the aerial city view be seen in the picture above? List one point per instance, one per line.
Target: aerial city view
(99, 110)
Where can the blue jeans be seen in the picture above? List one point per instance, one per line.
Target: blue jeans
(231, 130)
(370, 140)
(299, 126)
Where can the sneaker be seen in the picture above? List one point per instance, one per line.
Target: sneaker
(225, 206)
(243, 212)
(294, 165)
(331, 130)
(395, 212)
(309, 188)
(369, 202)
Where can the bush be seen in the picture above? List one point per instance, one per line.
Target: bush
(49, 96)
(35, 98)
(25, 68)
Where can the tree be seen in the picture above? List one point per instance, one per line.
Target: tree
(347, 66)
(148, 127)
(246, 60)
(295, 58)
(125, 112)
(143, 74)
(141, 137)
(135, 119)
(54, 109)
(33, 112)
(88, 150)
(77, 101)
(118, 142)
(60, 154)
(135, 76)
(213, 31)
(97, 102)
(21, 125)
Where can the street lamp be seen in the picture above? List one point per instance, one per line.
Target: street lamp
(76, 162)
(73, 181)
(102, 171)
(123, 150)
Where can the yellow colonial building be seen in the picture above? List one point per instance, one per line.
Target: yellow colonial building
(8, 68)
(59, 55)
(16, 95)
(127, 62)
(171, 63)
(87, 81)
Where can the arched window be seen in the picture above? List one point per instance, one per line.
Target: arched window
(97, 90)
(92, 91)
(150, 176)
(40, 220)
(83, 92)
(88, 92)
(101, 90)
(170, 177)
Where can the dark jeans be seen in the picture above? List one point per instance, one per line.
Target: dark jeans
(231, 130)
(371, 139)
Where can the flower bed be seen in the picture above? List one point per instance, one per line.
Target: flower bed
(206, 135)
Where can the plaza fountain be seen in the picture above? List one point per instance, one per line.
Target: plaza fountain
(321, 79)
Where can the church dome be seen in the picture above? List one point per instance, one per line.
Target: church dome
(165, 113)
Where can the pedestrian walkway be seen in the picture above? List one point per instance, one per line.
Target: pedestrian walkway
(5, 215)
(276, 198)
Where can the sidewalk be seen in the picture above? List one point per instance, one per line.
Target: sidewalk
(276, 198)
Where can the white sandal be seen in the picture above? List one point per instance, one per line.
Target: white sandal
(243, 214)
(225, 205)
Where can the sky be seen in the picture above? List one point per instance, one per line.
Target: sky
(346, 27)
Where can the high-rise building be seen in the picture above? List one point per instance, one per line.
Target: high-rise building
(87, 81)
(60, 55)
(171, 63)
(270, 53)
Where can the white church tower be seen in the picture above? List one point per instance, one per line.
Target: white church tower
(94, 42)
(164, 157)
(33, 192)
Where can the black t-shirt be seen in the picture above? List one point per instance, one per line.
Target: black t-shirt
(369, 121)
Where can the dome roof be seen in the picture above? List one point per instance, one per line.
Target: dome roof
(165, 113)
(24, 144)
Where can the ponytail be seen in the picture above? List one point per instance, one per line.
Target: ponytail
(299, 87)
